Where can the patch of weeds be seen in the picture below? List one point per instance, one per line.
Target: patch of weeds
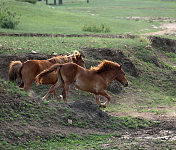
(4, 144)
(46, 102)
(76, 121)
(12, 89)
(157, 112)
(158, 141)
(168, 65)
(133, 122)
(96, 28)
(71, 141)
(172, 56)
(8, 19)
(80, 124)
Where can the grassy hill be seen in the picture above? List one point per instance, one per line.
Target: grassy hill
(140, 116)
(29, 122)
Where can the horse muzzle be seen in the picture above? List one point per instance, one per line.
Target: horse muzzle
(125, 84)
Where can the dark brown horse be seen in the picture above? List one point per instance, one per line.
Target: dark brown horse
(94, 80)
(28, 70)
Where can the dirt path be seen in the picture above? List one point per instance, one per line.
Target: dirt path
(166, 29)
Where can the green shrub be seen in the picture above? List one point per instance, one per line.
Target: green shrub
(29, 1)
(8, 19)
(96, 28)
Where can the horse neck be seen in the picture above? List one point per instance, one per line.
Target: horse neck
(109, 76)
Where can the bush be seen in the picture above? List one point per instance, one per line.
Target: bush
(8, 19)
(95, 28)
(29, 1)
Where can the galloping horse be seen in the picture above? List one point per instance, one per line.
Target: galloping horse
(28, 70)
(94, 80)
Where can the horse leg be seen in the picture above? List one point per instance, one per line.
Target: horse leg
(27, 81)
(52, 89)
(27, 85)
(54, 94)
(21, 84)
(49, 91)
(97, 98)
(105, 94)
(65, 91)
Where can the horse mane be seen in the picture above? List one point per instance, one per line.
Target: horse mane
(75, 56)
(57, 59)
(105, 66)
(65, 58)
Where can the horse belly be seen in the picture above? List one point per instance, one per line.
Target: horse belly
(84, 85)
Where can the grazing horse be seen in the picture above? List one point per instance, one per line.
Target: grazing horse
(28, 70)
(94, 80)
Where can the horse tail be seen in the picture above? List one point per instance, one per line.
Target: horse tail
(40, 76)
(14, 70)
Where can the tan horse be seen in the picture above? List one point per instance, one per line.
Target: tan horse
(94, 80)
(28, 70)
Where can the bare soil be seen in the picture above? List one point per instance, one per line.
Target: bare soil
(165, 29)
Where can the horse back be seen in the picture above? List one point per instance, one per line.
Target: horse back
(34, 67)
(69, 71)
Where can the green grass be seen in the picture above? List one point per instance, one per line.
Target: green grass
(71, 17)
(172, 57)
(16, 45)
(72, 141)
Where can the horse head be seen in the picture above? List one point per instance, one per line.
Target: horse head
(78, 58)
(121, 77)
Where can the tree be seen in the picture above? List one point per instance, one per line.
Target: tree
(60, 2)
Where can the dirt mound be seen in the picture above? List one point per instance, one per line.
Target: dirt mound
(166, 44)
(24, 118)
(93, 112)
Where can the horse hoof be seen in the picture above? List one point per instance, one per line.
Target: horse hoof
(43, 98)
(61, 97)
(102, 106)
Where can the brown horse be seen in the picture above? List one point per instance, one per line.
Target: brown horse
(28, 70)
(94, 80)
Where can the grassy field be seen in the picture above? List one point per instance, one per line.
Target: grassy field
(72, 16)
(47, 45)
